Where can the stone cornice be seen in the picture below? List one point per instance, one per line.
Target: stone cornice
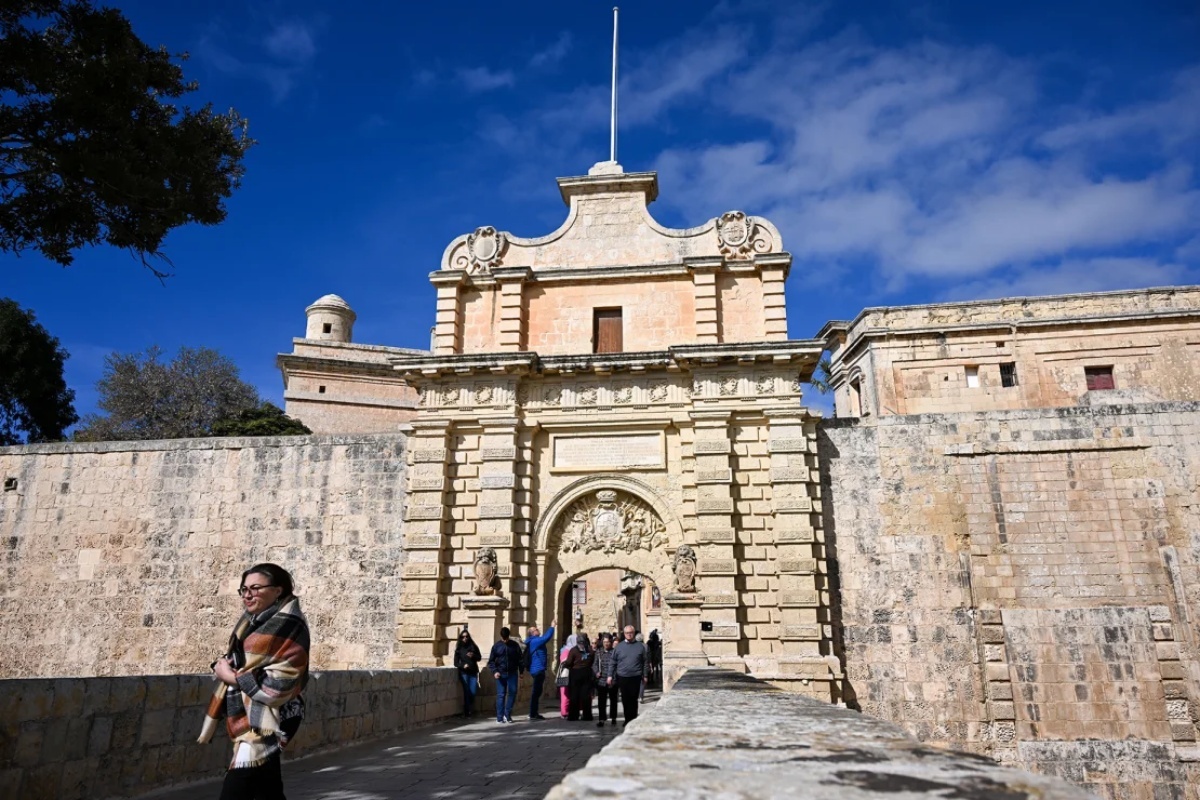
(644, 182)
(803, 352)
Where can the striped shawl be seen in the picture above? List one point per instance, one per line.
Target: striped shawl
(272, 673)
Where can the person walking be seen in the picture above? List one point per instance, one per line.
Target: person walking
(654, 651)
(266, 665)
(562, 660)
(579, 688)
(504, 662)
(535, 649)
(466, 659)
(637, 637)
(606, 696)
(628, 672)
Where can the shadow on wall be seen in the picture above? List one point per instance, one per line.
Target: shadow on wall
(827, 455)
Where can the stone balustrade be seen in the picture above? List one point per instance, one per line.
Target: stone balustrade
(719, 733)
(96, 738)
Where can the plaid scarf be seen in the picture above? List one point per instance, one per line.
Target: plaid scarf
(270, 654)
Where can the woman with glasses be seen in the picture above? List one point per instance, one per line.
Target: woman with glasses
(466, 658)
(260, 679)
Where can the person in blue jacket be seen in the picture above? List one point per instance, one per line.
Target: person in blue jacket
(535, 652)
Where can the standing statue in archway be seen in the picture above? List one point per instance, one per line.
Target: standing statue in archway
(487, 581)
(685, 570)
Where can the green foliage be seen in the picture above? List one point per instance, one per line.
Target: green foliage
(266, 419)
(93, 148)
(822, 377)
(35, 403)
(146, 398)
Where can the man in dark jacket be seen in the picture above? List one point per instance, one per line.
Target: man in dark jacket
(535, 646)
(628, 671)
(504, 663)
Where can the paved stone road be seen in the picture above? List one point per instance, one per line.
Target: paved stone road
(457, 760)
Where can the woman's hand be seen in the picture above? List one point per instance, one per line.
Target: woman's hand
(225, 672)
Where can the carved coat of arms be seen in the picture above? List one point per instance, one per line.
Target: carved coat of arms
(610, 521)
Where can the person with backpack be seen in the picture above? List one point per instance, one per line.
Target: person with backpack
(535, 660)
(504, 662)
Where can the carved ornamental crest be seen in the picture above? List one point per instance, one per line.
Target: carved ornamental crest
(484, 249)
(737, 235)
(610, 521)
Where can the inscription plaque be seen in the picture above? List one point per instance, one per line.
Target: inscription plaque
(584, 452)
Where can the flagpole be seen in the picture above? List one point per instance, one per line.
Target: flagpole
(612, 137)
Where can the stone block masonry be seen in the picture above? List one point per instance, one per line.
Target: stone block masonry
(721, 734)
(1023, 584)
(124, 558)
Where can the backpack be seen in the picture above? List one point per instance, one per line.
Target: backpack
(526, 658)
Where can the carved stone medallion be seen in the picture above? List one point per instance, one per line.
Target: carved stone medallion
(729, 386)
(624, 394)
(737, 235)
(658, 392)
(765, 385)
(553, 395)
(484, 249)
(587, 397)
(685, 569)
(483, 394)
(610, 521)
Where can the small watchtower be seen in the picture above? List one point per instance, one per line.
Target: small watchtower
(330, 319)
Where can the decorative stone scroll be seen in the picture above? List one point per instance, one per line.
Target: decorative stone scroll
(740, 237)
(484, 250)
(610, 521)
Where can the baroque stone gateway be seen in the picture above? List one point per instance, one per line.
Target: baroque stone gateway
(993, 545)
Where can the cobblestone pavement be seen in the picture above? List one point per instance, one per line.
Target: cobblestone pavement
(477, 759)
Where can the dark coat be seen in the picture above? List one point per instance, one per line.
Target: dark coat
(467, 657)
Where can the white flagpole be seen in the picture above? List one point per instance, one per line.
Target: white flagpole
(612, 138)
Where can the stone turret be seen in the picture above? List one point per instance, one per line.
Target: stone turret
(330, 319)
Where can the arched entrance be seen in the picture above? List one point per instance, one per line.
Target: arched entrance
(616, 535)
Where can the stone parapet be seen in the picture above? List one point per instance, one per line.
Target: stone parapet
(722, 734)
(96, 738)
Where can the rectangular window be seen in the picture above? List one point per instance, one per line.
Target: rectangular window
(327, 327)
(1099, 378)
(1008, 374)
(972, 377)
(579, 593)
(606, 331)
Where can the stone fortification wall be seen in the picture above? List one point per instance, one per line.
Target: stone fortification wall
(722, 734)
(124, 558)
(95, 738)
(1023, 584)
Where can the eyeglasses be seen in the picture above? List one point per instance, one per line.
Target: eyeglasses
(246, 591)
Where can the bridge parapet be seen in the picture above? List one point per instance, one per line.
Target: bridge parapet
(719, 733)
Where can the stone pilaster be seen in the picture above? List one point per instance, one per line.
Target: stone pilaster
(512, 306)
(447, 331)
(774, 269)
(419, 636)
(485, 618)
(716, 536)
(704, 279)
(498, 512)
(803, 576)
(684, 647)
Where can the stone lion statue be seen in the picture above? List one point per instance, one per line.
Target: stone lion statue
(487, 582)
(685, 569)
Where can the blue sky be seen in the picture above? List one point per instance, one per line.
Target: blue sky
(908, 152)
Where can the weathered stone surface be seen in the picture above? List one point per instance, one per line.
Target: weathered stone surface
(722, 734)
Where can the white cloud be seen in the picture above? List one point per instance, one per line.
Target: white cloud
(482, 79)
(291, 41)
(1090, 275)
(553, 53)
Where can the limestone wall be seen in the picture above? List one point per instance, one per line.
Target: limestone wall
(1023, 584)
(124, 558)
(95, 738)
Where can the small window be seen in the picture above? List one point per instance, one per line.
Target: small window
(320, 390)
(1008, 374)
(579, 593)
(972, 377)
(327, 327)
(606, 331)
(10, 484)
(1099, 378)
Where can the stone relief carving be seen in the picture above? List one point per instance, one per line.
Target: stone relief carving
(685, 569)
(483, 394)
(487, 581)
(765, 385)
(658, 392)
(624, 394)
(587, 397)
(484, 250)
(729, 386)
(448, 396)
(554, 395)
(739, 236)
(523, 394)
(610, 521)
